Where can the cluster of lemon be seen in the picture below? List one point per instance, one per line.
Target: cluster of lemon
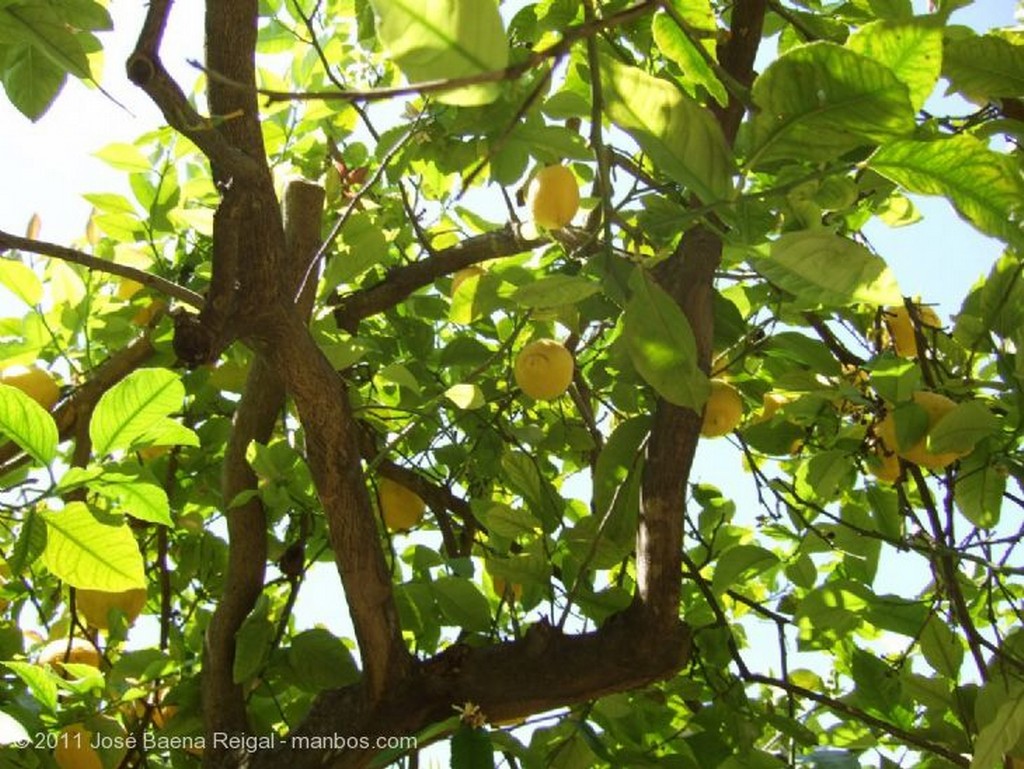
(903, 326)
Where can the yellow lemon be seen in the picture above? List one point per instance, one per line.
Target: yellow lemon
(74, 749)
(81, 652)
(553, 197)
(402, 508)
(95, 605)
(543, 369)
(901, 327)
(34, 382)
(937, 407)
(723, 410)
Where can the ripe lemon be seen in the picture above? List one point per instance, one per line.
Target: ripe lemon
(74, 749)
(543, 369)
(463, 275)
(82, 652)
(553, 197)
(937, 407)
(34, 382)
(402, 508)
(901, 327)
(95, 605)
(723, 411)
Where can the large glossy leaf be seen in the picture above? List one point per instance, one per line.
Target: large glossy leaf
(442, 39)
(979, 489)
(821, 268)
(31, 80)
(822, 100)
(677, 46)
(661, 344)
(321, 661)
(28, 424)
(911, 49)
(134, 413)
(983, 66)
(984, 185)
(89, 553)
(1000, 734)
(682, 138)
(462, 604)
(21, 281)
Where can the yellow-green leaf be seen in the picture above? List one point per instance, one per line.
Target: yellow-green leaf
(90, 553)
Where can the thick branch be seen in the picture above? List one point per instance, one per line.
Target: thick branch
(688, 276)
(543, 670)
(224, 701)
(403, 281)
(147, 72)
(332, 449)
(224, 704)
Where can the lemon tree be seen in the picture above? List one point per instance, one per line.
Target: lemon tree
(373, 418)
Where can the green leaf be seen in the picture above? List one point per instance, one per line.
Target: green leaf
(821, 268)
(30, 543)
(554, 291)
(31, 80)
(321, 661)
(89, 553)
(442, 39)
(48, 32)
(962, 428)
(942, 649)
(472, 749)
(133, 413)
(524, 479)
(821, 100)
(979, 490)
(676, 45)
(1000, 734)
(122, 157)
(139, 499)
(740, 564)
(824, 475)
(620, 457)
(911, 49)
(682, 138)
(39, 681)
(661, 344)
(983, 185)
(253, 642)
(21, 280)
(361, 245)
(28, 424)
(466, 396)
(462, 603)
(984, 66)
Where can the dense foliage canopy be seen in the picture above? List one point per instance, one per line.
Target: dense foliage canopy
(295, 343)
